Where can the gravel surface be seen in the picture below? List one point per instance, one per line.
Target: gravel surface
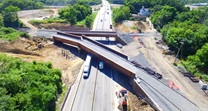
(126, 37)
(140, 58)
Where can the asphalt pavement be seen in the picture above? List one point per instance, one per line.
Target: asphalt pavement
(85, 94)
(96, 93)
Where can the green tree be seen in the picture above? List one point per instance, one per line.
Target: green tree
(202, 54)
(1, 21)
(162, 17)
(10, 16)
(28, 86)
(6, 102)
(71, 16)
(121, 14)
(88, 21)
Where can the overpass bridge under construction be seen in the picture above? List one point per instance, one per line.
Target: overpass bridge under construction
(96, 34)
(155, 92)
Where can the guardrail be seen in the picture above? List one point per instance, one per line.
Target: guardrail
(71, 35)
(66, 96)
(68, 31)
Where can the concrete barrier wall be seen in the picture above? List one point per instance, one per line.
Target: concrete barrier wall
(105, 47)
(140, 92)
(71, 35)
(58, 39)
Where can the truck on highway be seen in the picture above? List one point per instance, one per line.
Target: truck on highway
(87, 66)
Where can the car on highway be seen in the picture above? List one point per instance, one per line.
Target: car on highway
(101, 65)
(119, 45)
(137, 79)
(85, 74)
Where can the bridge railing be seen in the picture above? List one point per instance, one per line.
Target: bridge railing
(105, 47)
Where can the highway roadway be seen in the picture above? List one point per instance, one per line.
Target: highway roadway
(104, 86)
(85, 93)
(96, 93)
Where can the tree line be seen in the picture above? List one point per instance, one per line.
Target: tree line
(28, 86)
(21, 4)
(76, 12)
(64, 2)
(9, 18)
(9, 9)
(134, 7)
(194, 1)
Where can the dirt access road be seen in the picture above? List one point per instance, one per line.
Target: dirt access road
(164, 64)
(28, 15)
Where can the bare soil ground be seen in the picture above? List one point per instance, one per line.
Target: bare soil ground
(137, 104)
(132, 27)
(54, 26)
(27, 15)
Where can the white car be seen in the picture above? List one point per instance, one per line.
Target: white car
(137, 79)
(101, 65)
(86, 71)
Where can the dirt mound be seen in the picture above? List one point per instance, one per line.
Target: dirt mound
(34, 13)
(132, 27)
(137, 104)
(142, 25)
(16, 47)
(57, 26)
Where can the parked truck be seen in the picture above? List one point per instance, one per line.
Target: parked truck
(87, 66)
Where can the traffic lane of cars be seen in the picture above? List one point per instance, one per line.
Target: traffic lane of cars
(84, 97)
(103, 90)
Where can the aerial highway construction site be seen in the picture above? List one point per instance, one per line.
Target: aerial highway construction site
(111, 67)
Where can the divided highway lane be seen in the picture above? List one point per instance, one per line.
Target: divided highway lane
(85, 94)
(104, 90)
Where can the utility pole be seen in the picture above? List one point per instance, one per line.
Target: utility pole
(178, 51)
